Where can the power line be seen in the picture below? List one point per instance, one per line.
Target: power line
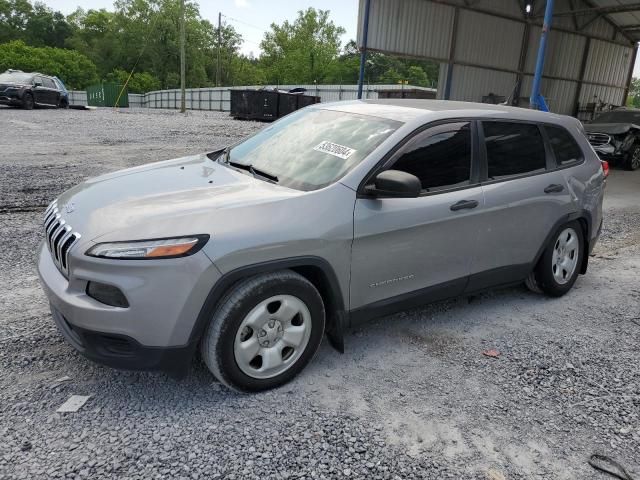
(243, 22)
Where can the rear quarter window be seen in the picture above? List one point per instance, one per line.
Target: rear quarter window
(564, 146)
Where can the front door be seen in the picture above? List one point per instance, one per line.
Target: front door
(420, 248)
(40, 92)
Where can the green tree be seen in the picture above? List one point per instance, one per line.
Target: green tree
(304, 51)
(140, 82)
(35, 24)
(417, 76)
(75, 70)
(391, 76)
(633, 99)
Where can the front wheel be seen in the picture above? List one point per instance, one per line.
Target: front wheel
(633, 159)
(27, 101)
(560, 263)
(264, 331)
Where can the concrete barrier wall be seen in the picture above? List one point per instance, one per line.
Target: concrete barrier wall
(219, 98)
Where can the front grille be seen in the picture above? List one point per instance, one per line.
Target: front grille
(598, 139)
(59, 236)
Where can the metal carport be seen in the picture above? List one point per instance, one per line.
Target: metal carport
(490, 46)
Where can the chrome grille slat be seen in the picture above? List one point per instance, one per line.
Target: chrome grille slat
(60, 237)
(598, 139)
(67, 233)
(53, 224)
(54, 234)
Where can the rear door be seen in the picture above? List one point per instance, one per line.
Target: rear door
(525, 196)
(51, 91)
(404, 248)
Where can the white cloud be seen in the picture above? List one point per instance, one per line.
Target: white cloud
(241, 3)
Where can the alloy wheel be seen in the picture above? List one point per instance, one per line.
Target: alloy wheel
(635, 159)
(273, 336)
(564, 260)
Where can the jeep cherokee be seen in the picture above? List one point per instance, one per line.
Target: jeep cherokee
(335, 214)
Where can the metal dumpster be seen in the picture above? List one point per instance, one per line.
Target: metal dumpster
(105, 95)
(267, 105)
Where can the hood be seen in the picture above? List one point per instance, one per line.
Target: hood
(171, 198)
(610, 128)
(4, 85)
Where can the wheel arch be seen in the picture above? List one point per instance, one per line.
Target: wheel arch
(315, 269)
(583, 218)
(585, 224)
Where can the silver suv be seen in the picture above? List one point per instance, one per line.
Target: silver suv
(335, 214)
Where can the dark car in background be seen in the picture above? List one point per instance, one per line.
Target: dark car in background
(615, 136)
(29, 90)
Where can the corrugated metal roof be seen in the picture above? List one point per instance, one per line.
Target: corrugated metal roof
(564, 61)
(425, 32)
(488, 40)
(470, 84)
(490, 37)
(608, 63)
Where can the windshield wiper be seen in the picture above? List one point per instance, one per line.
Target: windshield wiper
(254, 171)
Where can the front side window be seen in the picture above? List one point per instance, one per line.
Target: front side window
(312, 148)
(439, 157)
(513, 149)
(564, 147)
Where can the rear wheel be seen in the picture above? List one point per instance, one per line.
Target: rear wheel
(264, 331)
(27, 101)
(633, 159)
(559, 266)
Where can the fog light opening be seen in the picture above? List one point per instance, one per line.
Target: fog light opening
(107, 294)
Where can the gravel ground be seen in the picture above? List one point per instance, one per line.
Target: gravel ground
(412, 397)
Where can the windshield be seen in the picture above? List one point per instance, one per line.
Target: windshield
(15, 77)
(625, 116)
(312, 148)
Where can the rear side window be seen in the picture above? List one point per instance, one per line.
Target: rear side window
(564, 147)
(48, 83)
(439, 157)
(513, 149)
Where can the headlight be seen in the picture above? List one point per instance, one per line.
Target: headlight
(150, 249)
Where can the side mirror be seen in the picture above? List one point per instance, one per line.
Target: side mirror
(394, 183)
(37, 83)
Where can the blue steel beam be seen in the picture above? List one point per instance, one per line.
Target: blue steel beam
(536, 100)
(363, 51)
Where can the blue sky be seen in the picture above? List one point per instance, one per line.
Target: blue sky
(250, 17)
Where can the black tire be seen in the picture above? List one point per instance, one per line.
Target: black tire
(217, 344)
(633, 158)
(27, 101)
(545, 278)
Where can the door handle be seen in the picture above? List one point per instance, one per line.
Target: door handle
(464, 204)
(554, 188)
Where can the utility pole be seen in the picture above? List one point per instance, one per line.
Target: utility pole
(182, 59)
(219, 45)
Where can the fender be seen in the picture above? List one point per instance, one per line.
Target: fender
(330, 289)
(584, 215)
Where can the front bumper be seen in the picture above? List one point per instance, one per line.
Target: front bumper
(10, 100)
(154, 332)
(122, 352)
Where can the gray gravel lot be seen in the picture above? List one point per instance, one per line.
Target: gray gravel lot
(412, 397)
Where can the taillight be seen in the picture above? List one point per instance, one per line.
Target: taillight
(605, 168)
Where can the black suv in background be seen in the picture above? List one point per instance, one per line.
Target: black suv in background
(28, 90)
